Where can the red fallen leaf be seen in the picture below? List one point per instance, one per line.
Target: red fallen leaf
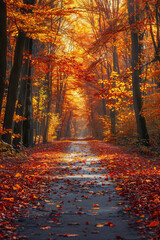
(80, 212)
(119, 237)
(4, 223)
(87, 223)
(96, 205)
(153, 224)
(110, 224)
(142, 232)
(45, 227)
(127, 209)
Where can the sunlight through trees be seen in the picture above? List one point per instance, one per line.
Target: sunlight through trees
(80, 68)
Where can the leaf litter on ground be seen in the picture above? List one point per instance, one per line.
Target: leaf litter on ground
(26, 180)
(137, 179)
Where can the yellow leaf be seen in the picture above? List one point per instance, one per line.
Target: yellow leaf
(17, 186)
(34, 196)
(18, 175)
(99, 225)
(9, 199)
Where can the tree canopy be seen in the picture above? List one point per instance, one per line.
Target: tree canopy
(80, 68)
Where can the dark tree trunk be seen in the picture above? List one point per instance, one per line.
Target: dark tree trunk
(3, 49)
(21, 98)
(13, 87)
(141, 123)
(49, 80)
(28, 123)
(113, 111)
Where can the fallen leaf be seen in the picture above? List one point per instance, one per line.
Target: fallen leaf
(110, 224)
(99, 225)
(153, 224)
(45, 227)
(118, 188)
(18, 175)
(67, 235)
(96, 205)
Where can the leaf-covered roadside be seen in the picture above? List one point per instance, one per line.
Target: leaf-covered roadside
(137, 179)
(22, 182)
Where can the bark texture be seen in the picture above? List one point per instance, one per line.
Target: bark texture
(13, 87)
(137, 99)
(3, 49)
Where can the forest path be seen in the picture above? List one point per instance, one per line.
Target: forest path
(83, 203)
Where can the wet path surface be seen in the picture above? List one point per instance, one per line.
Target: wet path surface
(83, 204)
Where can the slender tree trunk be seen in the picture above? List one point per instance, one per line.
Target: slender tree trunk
(21, 98)
(13, 87)
(103, 99)
(141, 123)
(45, 136)
(3, 49)
(113, 111)
(28, 123)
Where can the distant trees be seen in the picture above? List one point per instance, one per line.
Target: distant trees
(132, 21)
(78, 69)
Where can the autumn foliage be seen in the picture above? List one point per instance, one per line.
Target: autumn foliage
(81, 52)
(74, 70)
(137, 180)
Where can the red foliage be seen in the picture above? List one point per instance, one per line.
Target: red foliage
(137, 179)
(23, 183)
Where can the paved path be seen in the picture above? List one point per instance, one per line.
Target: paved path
(82, 205)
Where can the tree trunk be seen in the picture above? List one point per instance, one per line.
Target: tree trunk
(113, 111)
(3, 49)
(28, 123)
(45, 135)
(21, 98)
(13, 87)
(141, 123)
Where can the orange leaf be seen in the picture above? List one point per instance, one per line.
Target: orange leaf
(110, 224)
(18, 175)
(118, 188)
(153, 224)
(45, 227)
